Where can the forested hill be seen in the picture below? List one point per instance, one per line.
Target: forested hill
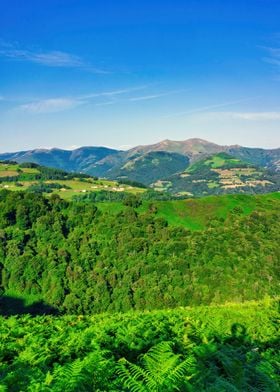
(78, 258)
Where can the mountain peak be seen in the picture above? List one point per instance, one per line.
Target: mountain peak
(191, 147)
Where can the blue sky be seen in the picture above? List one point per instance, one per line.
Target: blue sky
(122, 73)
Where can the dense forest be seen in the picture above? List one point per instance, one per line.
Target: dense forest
(80, 259)
(123, 292)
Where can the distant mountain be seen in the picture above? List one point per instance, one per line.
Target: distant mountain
(220, 173)
(147, 163)
(192, 148)
(79, 160)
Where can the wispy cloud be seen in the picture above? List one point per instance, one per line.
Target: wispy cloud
(58, 104)
(113, 93)
(106, 103)
(146, 97)
(51, 59)
(248, 116)
(49, 105)
(273, 56)
(155, 96)
(102, 98)
(209, 107)
(55, 58)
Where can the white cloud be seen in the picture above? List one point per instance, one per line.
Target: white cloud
(154, 96)
(106, 103)
(146, 97)
(50, 105)
(103, 98)
(53, 58)
(248, 116)
(113, 92)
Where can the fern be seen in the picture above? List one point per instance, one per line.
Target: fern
(71, 377)
(129, 375)
(222, 385)
(161, 370)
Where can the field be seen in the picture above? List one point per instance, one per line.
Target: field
(77, 187)
(18, 178)
(9, 170)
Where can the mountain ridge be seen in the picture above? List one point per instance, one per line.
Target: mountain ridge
(108, 162)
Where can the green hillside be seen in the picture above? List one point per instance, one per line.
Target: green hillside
(149, 167)
(218, 174)
(195, 214)
(80, 258)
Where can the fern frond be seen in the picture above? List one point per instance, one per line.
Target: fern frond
(161, 371)
(71, 376)
(129, 377)
(223, 385)
(183, 368)
(160, 359)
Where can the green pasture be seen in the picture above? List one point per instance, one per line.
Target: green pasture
(193, 214)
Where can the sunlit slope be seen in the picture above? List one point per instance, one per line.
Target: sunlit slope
(219, 174)
(195, 214)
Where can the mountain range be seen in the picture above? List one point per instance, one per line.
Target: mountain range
(166, 160)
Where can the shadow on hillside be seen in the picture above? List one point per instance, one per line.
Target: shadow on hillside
(11, 306)
(234, 362)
